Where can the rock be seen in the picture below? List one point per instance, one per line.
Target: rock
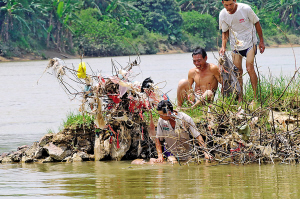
(22, 148)
(45, 139)
(16, 156)
(83, 155)
(91, 157)
(68, 159)
(3, 155)
(47, 160)
(6, 159)
(31, 151)
(39, 153)
(76, 158)
(57, 153)
(84, 145)
(61, 138)
(27, 159)
(102, 148)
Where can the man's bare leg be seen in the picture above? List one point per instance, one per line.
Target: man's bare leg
(237, 61)
(182, 91)
(251, 70)
(206, 96)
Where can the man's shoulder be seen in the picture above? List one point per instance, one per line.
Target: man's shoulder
(213, 66)
(183, 116)
(243, 6)
(193, 70)
(223, 13)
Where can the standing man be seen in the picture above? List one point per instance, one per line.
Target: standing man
(240, 24)
(205, 76)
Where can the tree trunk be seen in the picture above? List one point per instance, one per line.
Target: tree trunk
(48, 35)
(58, 36)
(71, 45)
(6, 30)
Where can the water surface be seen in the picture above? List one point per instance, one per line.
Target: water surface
(122, 180)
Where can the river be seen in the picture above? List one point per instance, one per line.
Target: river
(29, 110)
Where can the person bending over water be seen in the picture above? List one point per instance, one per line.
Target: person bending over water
(174, 129)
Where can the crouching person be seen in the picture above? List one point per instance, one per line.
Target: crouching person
(174, 129)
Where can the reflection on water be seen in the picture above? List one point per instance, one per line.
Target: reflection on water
(122, 180)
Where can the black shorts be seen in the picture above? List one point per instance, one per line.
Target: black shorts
(245, 52)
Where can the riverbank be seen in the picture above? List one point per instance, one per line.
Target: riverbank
(48, 54)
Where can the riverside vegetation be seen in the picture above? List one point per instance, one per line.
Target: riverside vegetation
(125, 27)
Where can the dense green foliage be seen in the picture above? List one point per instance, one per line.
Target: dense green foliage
(200, 30)
(122, 27)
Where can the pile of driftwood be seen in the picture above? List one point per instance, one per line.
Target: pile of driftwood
(118, 105)
(239, 136)
(233, 134)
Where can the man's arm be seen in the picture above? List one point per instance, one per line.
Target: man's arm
(225, 36)
(261, 38)
(191, 75)
(195, 133)
(159, 150)
(217, 74)
(202, 143)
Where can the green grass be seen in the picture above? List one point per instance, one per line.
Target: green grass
(77, 120)
(280, 90)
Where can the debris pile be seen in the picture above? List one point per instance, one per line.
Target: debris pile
(239, 136)
(118, 105)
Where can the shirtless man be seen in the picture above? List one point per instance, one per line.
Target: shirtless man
(205, 76)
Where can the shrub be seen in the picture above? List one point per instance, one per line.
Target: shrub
(199, 29)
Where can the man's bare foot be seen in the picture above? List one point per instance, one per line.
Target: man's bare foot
(252, 105)
(172, 159)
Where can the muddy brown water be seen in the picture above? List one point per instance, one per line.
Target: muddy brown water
(28, 110)
(122, 180)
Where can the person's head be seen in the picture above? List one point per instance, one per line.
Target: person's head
(165, 109)
(230, 5)
(199, 57)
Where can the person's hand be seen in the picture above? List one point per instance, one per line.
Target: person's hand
(207, 156)
(222, 51)
(160, 158)
(261, 47)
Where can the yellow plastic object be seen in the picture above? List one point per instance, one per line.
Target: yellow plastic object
(81, 73)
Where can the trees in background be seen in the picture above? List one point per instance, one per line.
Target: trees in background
(161, 16)
(121, 27)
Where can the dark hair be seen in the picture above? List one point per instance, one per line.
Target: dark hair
(200, 51)
(164, 106)
(146, 84)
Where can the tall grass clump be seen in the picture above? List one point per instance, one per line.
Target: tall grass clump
(77, 120)
(278, 91)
